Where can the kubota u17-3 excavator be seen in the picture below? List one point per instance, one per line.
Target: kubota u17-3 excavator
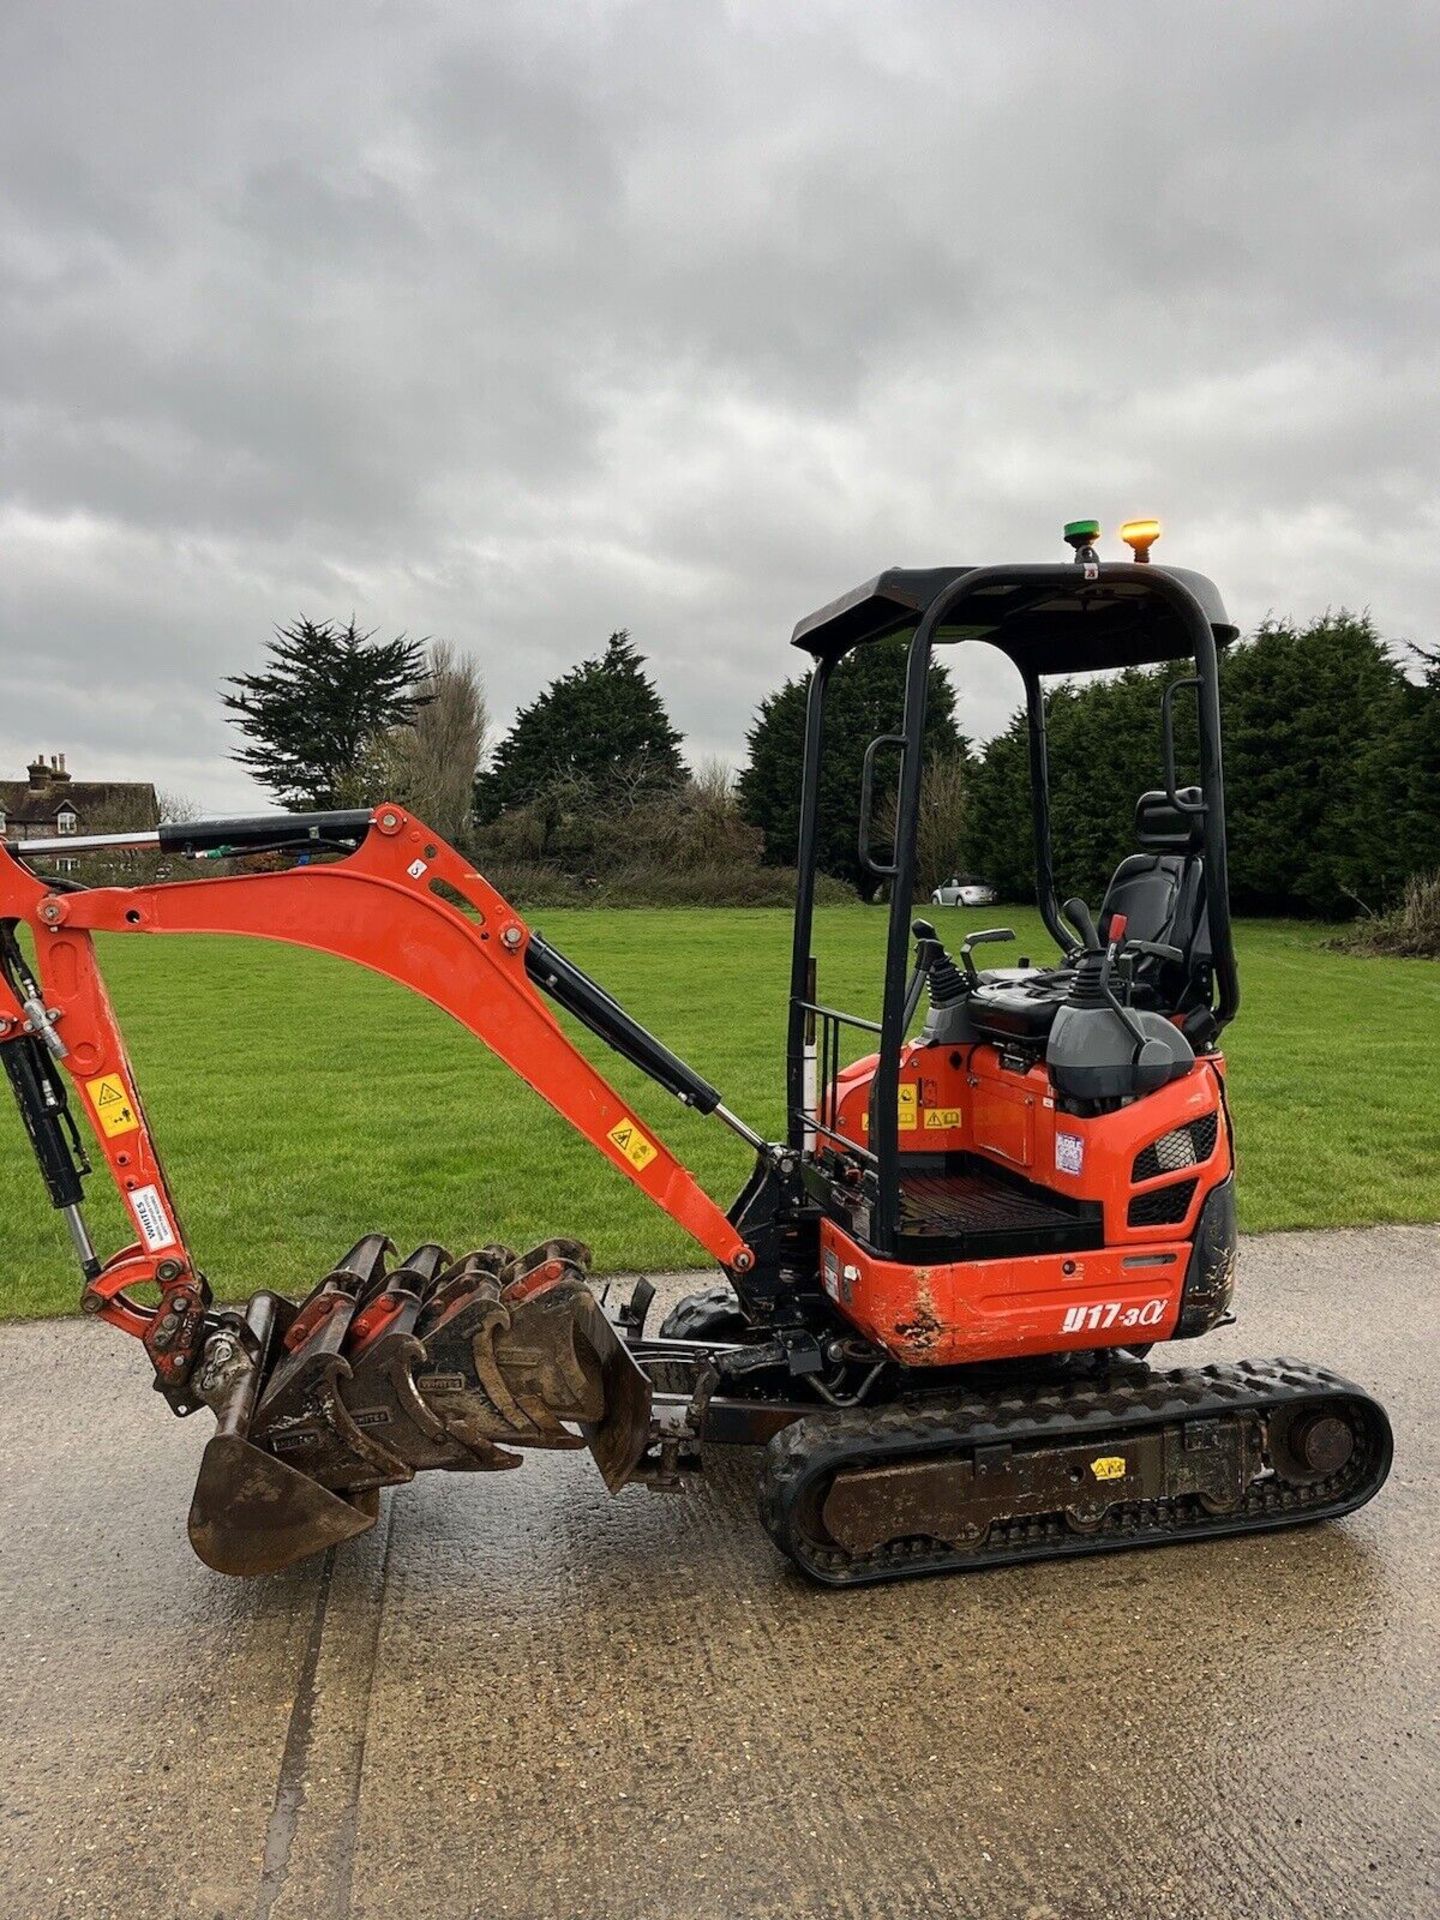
(940, 1286)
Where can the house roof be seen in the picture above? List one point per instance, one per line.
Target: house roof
(90, 800)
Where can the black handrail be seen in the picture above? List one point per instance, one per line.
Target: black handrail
(1040, 811)
(1167, 732)
(880, 869)
(862, 1154)
(825, 1115)
(805, 864)
(846, 1019)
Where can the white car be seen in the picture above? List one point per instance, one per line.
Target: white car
(963, 893)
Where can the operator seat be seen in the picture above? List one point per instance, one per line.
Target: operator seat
(1161, 893)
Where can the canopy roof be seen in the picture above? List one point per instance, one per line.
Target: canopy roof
(1049, 619)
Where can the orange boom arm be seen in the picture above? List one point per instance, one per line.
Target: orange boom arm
(380, 907)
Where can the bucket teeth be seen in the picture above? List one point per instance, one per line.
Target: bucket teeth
(383, 1372)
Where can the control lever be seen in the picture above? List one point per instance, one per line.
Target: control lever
(1078, 914)
(1156, 948)
(1118, 923)
(929, 949)
(979, 940)
(1150, 1055)
(1123, 951)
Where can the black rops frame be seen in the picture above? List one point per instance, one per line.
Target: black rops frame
(1051, 621)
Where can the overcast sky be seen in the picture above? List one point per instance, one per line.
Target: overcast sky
(513, 324)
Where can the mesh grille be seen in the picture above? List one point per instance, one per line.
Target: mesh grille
(1162, 1206)
(1187, 1146)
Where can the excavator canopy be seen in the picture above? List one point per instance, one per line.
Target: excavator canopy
(1048, 619)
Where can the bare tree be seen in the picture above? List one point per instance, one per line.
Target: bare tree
(944, 787)
(699, 823)
(176, 808)
(430, 764)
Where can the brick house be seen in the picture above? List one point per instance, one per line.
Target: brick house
(49, 803)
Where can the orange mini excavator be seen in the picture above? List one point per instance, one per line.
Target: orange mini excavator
(940, 1287)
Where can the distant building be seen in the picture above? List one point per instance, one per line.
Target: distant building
(49, 803)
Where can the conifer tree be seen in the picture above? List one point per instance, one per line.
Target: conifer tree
(313, 715)
(601, 729)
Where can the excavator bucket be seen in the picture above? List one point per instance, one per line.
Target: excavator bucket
(253, 1514)
(379, 1374)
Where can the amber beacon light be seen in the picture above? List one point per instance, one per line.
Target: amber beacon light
(1140, 536)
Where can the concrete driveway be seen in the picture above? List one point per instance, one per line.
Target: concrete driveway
(520, 1698)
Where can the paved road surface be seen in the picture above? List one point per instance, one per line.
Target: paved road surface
(521, 1700)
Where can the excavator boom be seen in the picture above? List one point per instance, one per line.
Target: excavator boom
(404, 904)
(513, 1348)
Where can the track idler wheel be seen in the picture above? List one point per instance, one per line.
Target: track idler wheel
(382, 1373)
(1309, 1443)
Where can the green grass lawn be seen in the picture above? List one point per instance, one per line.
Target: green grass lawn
(300, 1101)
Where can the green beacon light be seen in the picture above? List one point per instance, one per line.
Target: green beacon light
(1082, 535)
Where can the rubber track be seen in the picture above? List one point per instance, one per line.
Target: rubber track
(801, 1461)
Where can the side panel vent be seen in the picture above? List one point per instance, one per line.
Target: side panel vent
(1187, 1146)
(1162, 1206)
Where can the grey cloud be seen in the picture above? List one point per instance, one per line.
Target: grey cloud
(521, 323)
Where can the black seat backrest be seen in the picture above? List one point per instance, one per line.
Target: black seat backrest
(1161, 892)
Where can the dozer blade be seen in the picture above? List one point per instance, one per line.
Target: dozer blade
(619, 1437)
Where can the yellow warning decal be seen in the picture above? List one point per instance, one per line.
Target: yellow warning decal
(114, 1109)
(938, 1118)
(908, 1110)
(632, 1143)
(1110, 1466)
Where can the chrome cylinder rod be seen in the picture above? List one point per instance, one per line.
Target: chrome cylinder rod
(84, 1245)
(736, 1125)
(81, 843)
